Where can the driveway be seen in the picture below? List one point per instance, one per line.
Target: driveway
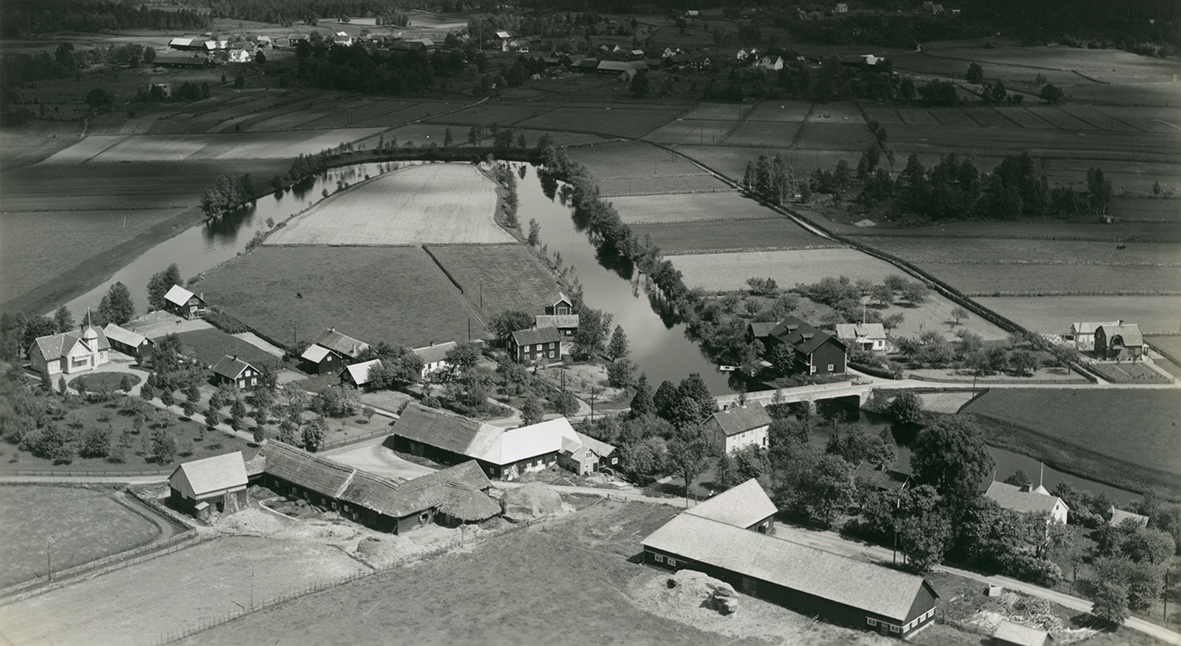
(372, 457)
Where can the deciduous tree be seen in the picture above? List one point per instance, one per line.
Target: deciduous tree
(950, 456)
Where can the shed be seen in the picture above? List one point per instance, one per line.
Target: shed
(562, 304)
(184, 303)
(1119, 517)
(1013, 634)
(219, 482)
(358, 373)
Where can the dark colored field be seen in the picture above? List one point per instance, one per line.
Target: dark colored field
(730, 235)
(486, 114)
(1128, 438)
(209, 346)
(73, 524)
(392, 294)
(499, 277)
(618, 120)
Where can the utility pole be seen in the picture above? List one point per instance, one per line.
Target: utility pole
(48, 561)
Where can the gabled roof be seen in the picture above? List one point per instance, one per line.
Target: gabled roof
(178, 295)
(309, 471)
(435, 353)
(1089, 327)
(230, 367)
(213, 474)
(438, 428)
(315, 353)
(1118, 516)
(555, 320)
(1012, 497)
(1011, 633)
(359, 372)
(808, 344)
(498, 446)
(861, 331)
(888, 480)
(740, 506)
(761, 329)
(872, 588)
(127, 337)
(467, 504)
(55, 346)
(401, 498)
(739, 419)
(341, 344)
(1130, 332)
(540, 335)
(598, 447)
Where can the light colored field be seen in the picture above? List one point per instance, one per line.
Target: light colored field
(631, 168)
(690, 132)
(946, 403)
(729, 271)
(718, 111)
(152, 148)
(137, 604)
(688, 208)
(780, 111)
(431, 203)
(84, 150)
(161, 148)
(284, 144)
(730, 235)
(765, 134)
(1054, 314)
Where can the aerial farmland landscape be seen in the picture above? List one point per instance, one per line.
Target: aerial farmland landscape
(709, 322)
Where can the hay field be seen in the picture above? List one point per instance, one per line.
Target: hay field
(171, 148)
(831, 135)
(632, 168)
(429, 203)
(764, 134)
(729, 271)
(719, 112)
(392, 294)
(1054, 314)
(84, 150)
(691, 132)
(509, 277)
(138, 603)
(654, 209)
(485, 114)
(79, 525)
(730, 235)
(780, 111)
(617, 120)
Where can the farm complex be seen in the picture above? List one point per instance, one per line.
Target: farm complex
(658, 324)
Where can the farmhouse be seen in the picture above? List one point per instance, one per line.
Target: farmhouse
(456, 494)
(536, 344)
(358, 373)
(746, 506)
(240, 56)
(69, 352)
(805, 579)
(130, 343)
(331, 352)
(235, 372)
(870, 337)
(770, 64)
(1122, 341)
(737, 428)
(1119, 517)
(567, 324)
(434, 357)
(212, 484)
(346, 347)
(1084, 333)
(1011, 634)
(1027, 499)
(182, 302)
(815, 352)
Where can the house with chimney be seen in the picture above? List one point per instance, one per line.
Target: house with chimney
(184, 303)
(814, 352)
(331, 352)
(69, 352)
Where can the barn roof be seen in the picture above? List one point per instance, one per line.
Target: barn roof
(740, 419)
(435, 353)
(1012, 497)
(555, 320)
(541, 335)
(467, 504)
(740, 506)
(598, 447)
(438, 428)
(1118, 516)
(1129, 331)
(341, 344)
(309, 471)
(215, 473)
(499, 446)
(178, 295)
(840, 579)
(1010, 633)
(230, 367)
(359, 372)
(407, 497)
(126, 337)
(315, 353)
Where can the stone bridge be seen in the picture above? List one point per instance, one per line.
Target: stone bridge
(858, 388)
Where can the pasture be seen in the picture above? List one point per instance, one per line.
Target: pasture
(1054, 314)
(655, 209)
(630, 168)
(210, 345)
(392, 294)
(620, 120)
(428, 203)
(75, 525)
(764, 134)
(498, 277)
(1127, 438)
(138, 603)
(729, 235)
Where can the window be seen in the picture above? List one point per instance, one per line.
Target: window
(551, 354)
(830, 367)
(538, 347)
(870, 621)
(660, 558)
(894, 629)
(812, 368)
(551, 346)
(614, 460)
(672, 562)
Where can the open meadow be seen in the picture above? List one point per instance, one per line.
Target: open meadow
(139, 603)
(716, 236)
(1054, 314)
(657, 209)
(1127, 438)
(729, 271)
(429, 203)
(392, 294)
(632, 168)
(495, 278)
(75, 525)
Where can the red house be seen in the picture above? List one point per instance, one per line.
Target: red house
(181, 301)
(234, 371)
(816, 352)
(539, 344)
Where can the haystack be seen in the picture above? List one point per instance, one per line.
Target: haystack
(466, 504)
(534, 500)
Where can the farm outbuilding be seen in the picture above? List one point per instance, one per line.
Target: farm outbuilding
(318, 360)
(343, 345)
(132, 344)
(182, 302)
(358, 373)
(561, 305)
(746, 506)
(1013, 634)
(567, 324)
(1083, 333)
(211, 484)
(1119, 517)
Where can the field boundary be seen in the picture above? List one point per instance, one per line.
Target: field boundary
(1074, 292)
(702, 252)
(84, 474)
(444, 269)
(356, 439)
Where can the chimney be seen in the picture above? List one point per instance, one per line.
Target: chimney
(1026, 488)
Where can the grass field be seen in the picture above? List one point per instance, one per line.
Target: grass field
(1055, 313)
(430, 203)
(1169, 345)
(392, 294)
(503, 277)
(75, 525)
(139, 603)
(730, 235)
(729, 271)
(731, 112)
(612, 120)
(656, 209)
(209, 346)
(503, 114)
(630, 168)
(1127, 438)
(161, 148)
(691, 132)
(765, 134)
(780, 111)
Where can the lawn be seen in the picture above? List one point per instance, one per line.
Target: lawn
(209, 346)
(392, 294)
(76, 525)
(499, 277)
(656, 209)
(428, 203)
(1127, 438)
(729, 236)
(140, 603)
(1054, 314)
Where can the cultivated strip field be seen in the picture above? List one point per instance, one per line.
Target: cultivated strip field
(732, 112)
(654, 209)
(730, 235)
(691, 132)
(729, 271)
(630, 168)
(137, 604)
(618, 121)
(1054, 314)
(76, 525)
(392, 294)
(502, 277)
(161, 148)
(768, 134)
(429, 203)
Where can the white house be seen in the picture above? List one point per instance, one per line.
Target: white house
(771, 64)
(867, 336)
(434, 357)
(841, 7)
(1028, 499)
(737, 428)
(69, 352)
(240, 56)
(342, 38)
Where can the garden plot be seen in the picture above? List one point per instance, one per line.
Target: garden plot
(730, 235)
(690, 132)
(917, 117)
(1059, 118)
(719, 112)
(954, 117)
(652, 209)
(772, 134)
(780, 111)
(287, 120)
(430, 203)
